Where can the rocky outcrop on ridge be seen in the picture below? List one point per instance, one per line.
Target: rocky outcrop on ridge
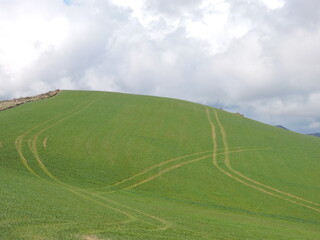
(6, 104)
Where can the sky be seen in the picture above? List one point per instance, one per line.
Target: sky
(257, 57)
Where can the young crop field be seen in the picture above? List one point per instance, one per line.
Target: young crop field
(101, 165)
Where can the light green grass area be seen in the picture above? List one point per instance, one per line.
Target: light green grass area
(100, 165)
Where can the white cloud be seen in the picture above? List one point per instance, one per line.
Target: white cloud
(273, 4)
(260, 58)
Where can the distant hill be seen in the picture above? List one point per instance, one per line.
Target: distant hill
(311, 134)
(280, 126)
(315, 134)
(100, 165)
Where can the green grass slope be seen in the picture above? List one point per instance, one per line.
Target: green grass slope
(97, 165)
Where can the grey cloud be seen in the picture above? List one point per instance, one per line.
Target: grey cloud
(302, 13)
(172, 8)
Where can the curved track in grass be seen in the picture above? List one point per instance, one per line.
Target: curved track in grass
(164, 170)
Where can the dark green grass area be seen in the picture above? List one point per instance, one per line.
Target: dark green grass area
(100, 165)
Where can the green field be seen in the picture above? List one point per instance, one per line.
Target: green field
(100, 165)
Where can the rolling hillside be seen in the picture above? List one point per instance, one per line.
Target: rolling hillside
(97, 165)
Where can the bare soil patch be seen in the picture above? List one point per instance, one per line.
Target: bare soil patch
(7, 104)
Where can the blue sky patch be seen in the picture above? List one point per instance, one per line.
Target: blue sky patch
(67, 2)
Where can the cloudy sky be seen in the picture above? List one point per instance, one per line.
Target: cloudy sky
(257, 57)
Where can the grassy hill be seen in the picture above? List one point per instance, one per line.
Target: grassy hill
(96, 165)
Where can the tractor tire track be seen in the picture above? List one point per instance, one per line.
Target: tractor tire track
(33, 140)
(175, 167)
(19, 141)
(227, 161)
(33, 148)
(228, 164)
(147, 170)
(44, 143)
(150, 169)
(67, 187)
(165, 223)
